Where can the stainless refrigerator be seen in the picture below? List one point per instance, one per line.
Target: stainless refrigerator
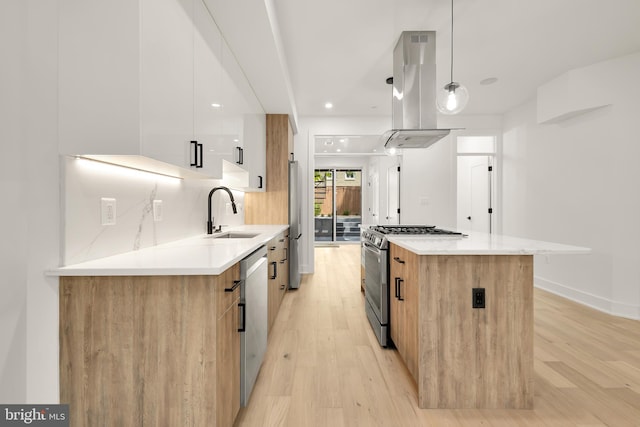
(295, 230)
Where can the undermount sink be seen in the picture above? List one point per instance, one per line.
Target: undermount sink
(231, 235)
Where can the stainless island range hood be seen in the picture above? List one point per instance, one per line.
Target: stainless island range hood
(415, 114)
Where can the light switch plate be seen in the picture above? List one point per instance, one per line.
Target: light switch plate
(157, 210)
(108, 211)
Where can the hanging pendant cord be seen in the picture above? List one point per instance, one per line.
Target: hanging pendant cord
(451, 41)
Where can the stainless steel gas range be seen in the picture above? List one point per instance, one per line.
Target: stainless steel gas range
(375, 253)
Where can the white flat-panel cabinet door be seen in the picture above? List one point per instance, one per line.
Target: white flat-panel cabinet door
(208, 98)
(98, 77)
(167, 79)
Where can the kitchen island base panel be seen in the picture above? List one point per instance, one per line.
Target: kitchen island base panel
(475, 357)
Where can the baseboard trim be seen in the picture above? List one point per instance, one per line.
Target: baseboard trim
(614, 308)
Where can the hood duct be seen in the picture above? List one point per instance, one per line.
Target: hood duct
(414, 110)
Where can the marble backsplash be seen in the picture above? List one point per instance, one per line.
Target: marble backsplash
(184, 209)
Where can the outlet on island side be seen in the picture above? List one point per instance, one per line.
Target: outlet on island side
(478, 298)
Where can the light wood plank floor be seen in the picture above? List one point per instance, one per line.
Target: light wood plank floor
(324, 367)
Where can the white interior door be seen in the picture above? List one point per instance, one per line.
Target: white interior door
(474, 193)
(393, 195)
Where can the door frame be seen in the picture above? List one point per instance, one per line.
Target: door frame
(495, 159)
(334, 212)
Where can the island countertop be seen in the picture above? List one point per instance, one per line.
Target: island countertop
(199, 255)
(476, 243)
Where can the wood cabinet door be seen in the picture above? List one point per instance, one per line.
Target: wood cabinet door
(396, 306)
(410, 291)
(273, 290)
(283, 268)
(228, 365)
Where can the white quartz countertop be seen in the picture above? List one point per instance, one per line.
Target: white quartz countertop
(199, 255)
(481, 244)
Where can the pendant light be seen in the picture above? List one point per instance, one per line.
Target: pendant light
(453, 97)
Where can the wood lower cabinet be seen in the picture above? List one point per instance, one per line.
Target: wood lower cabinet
(228, 351)
(460, 356)
(403, 279)
(150, 350)
(278, 283)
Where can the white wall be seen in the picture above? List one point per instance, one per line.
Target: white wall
(13, 223)
(576, 182)
(29, 219)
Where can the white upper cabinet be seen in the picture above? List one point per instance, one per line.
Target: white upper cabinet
(154, 79)
(167, 80)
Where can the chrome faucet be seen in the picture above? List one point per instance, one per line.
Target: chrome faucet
(209, 218)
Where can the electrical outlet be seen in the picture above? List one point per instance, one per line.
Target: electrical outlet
(157, 210)
(478, 298)
(108, 211)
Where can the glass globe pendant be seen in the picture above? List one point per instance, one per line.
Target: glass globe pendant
(453, 97)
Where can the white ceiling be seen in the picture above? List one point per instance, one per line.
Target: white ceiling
(341, 50)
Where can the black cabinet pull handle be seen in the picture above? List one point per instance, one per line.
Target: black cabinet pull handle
(244, 316)
(259, 181)
(286, 254)
(240, 160)
(194, 154)
(272, 248)
(236, 283)
(398, 260)
(397, 292)
(281, 287)
(400, 282)
(197, 154)
(275, 270)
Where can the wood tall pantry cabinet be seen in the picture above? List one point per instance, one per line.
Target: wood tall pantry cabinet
(272, 207)
(150, 350)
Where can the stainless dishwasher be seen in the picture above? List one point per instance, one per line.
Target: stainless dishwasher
(253, 339)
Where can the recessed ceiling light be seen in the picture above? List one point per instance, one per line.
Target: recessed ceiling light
(488, 81)
(328, 105)
(216, 105)
(341, 140)
(338, 150)
(328, 142)
(236, 140)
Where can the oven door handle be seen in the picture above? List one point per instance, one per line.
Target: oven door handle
(372, 248)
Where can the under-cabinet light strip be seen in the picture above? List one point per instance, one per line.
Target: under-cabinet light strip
(89, 159)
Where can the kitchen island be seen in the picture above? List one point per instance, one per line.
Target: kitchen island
(462, 317)
(151, 337)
